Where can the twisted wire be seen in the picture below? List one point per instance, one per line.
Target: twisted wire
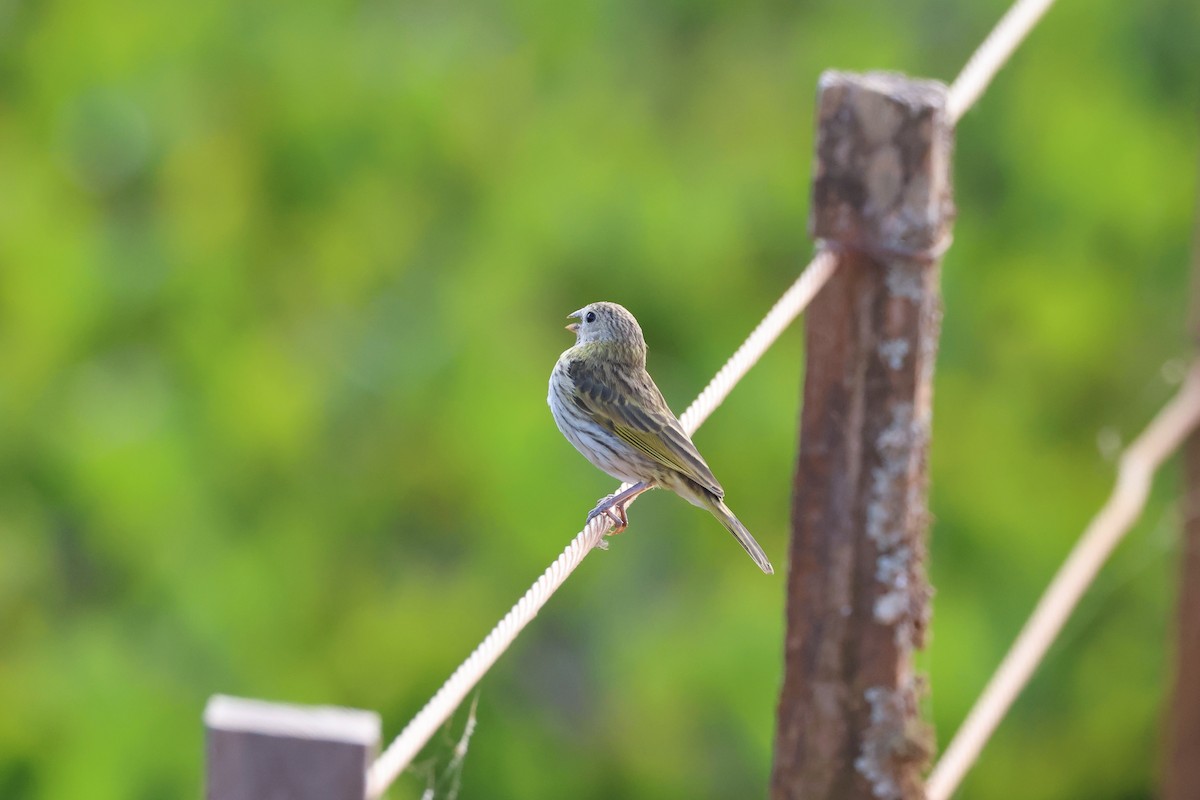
(1017, 23)
(966, 89)
(1135, 469)
(420, 729)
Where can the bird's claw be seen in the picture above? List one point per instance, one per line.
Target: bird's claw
(615, 513)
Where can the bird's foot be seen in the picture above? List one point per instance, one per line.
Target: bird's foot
(614, 510)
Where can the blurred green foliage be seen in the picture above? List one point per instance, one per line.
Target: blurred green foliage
(281, 285)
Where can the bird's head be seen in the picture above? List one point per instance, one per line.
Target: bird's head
(607, 323)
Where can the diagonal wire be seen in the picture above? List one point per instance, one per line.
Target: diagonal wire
(990, 56)
(1136, 468)
(966, 89)
(421, 728)
(785, 310)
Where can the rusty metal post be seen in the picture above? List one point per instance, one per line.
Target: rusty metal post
(858, 598)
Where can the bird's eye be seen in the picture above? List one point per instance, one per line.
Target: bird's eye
(590, 317)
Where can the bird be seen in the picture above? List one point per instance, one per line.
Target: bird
(606, 404)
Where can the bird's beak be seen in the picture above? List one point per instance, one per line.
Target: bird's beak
(574, 326)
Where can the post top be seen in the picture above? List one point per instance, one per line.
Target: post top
(916, 91)
(881, 177)
(325, 723)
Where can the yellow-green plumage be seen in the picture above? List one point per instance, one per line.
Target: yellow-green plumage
(609, 408)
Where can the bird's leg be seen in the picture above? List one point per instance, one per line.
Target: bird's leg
(613, 506)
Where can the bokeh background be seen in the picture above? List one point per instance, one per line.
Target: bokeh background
(281, 284)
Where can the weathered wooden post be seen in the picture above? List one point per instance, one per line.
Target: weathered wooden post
(1182, 773)
(1181, 778)
(270, 751)
(858, 598)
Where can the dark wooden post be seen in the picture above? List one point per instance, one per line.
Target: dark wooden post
(858, 598)
(1181, 780)
(269, 751)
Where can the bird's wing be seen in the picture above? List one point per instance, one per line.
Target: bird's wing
(626, 401)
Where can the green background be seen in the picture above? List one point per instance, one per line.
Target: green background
(281, 284)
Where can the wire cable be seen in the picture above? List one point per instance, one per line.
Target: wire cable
(421, 728)
(966, 89)
(1135, 470)
(993, 54)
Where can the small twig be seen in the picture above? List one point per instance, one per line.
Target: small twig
(454, 768)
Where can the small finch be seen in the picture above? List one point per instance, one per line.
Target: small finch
(608, 406)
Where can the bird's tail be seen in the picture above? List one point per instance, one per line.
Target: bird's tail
(734, 525)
